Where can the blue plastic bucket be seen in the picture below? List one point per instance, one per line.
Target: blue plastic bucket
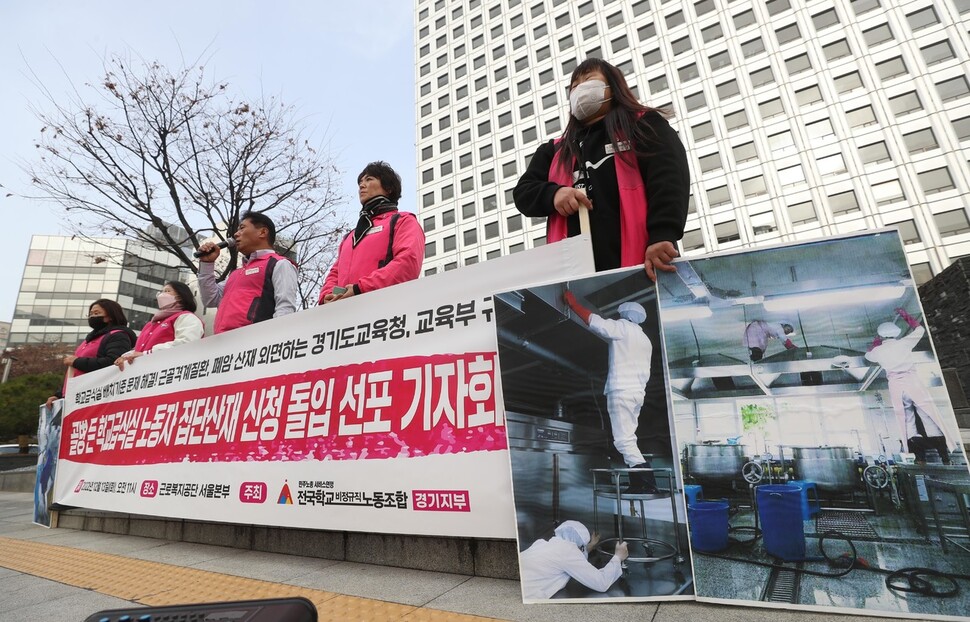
(810, 502)
(780, 511)
(708, 525)
(693, 492)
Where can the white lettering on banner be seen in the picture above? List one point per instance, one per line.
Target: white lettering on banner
(478, 388)
(303, 419)
(264, 410)
(208, 420)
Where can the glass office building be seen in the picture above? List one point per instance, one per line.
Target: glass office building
(801, 119)
(64, 275)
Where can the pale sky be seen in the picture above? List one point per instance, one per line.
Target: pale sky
(347, 66)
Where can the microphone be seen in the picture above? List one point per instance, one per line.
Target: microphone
(230, 243)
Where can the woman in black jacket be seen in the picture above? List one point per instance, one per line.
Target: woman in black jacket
(109, 338)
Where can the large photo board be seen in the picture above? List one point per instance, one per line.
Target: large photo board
(593, 463)
(823, 467)
(379, 413)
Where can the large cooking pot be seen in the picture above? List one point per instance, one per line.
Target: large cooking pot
(833, 469)
(715, 462)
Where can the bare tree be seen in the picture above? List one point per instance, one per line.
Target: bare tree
(171, 158)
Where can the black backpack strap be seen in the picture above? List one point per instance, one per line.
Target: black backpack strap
(390, 242)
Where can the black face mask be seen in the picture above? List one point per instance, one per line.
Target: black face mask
(97, 322)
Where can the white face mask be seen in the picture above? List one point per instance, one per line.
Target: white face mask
(165, 300)
(586, 98)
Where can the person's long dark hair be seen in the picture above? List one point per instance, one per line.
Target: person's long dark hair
(621, 120)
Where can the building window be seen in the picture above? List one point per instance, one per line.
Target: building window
(470, 236)
(444, 146)
(529, 135)
(889, 69)
(831, 165)
(736, 120)
(687, 73)
(428, 223)
(777, 6)
(508, 169)
(485, 152)
(836, 50)
(448, 218)
(702, 131)
(771, 108)
(465, 160)
(470, 261)
(808, 96)
(489, 203)
(952, 223)
(878, 35)
(762, 77)
(710, 162)
(953, 88)
(788, 34)
(923, 18)
(848, 82)
(647, 32)
(429, 249)
(763, 223)
(861, 117)
(843, 203)
(876, 153)
(467, 211)
(937, 52)
(427, 153)
(905, 103)
(962, 128)
(552, 126)
(448, 192)
(888, 192)
(484, 128)
(491, 230)
(692, 240)
(825, 19)
(681, 45)
(922, 273)
(754, 186)
(743, 20)
(727, 232)
(488, 177)
(820, 129)
(801, 213)
(712, 33)
(426, 131)
(936, 180)
(860, 7)
(590, 31)
(791, 175)
(448, 244)
(658, 85)
(920, 140)
(427, 175)
(674, 19)
(506, 144)
(614, 20)
(752, 47)
(703, 7)
(526, 110)
(781, 143)
(651, 58)
(695, 101)
(467, 185)
(513, 223)
(745, 153)
(798, 64)
(721, 59)
(549, 101)
(718, 196)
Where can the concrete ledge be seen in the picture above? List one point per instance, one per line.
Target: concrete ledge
(467, 556)
(18, 481)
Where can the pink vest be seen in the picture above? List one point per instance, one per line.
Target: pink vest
(633, 206)
(85, 349)
(248, 296)
(155, 333)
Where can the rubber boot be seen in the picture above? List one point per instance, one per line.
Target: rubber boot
(939, 444)
(917, 446)
(641, 483)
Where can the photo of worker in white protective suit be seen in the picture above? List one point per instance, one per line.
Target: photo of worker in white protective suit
(547, 565)
(919, 419)
(629, 372)
(758, 332)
